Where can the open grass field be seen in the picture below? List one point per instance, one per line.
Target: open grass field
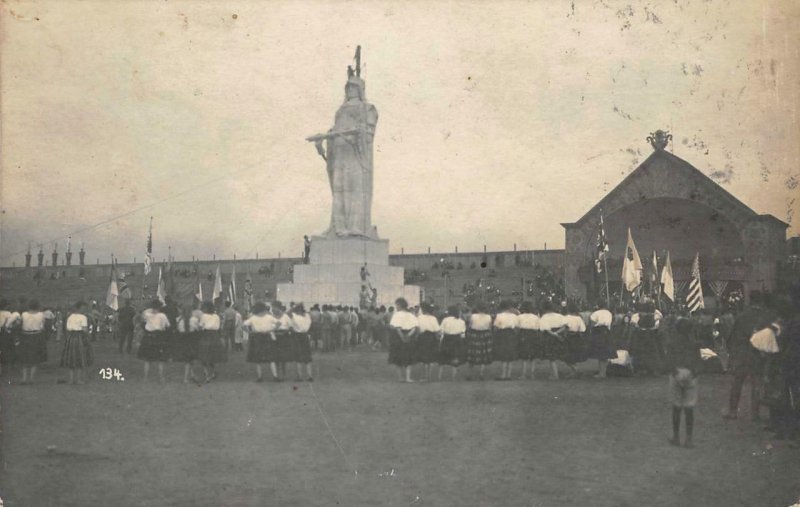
(356, 437)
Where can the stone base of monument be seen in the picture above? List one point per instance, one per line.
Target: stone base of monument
(333, 275)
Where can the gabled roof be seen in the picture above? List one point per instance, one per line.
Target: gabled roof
(678, 168)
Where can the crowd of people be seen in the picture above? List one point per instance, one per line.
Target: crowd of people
(640, 341)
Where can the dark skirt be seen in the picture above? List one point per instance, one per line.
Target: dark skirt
(301, 347)
(77, 351)
(531, 345)
(506, 343)
(646, 351)
(453, 350)
(555, 348)
(184, 347)
(7, 348)
(262, 348)
(576, 348)
(428, 347)
(479, 347)
(154, 346)
(284, 346)
(401, 353)
(600, 346)
(210, 348)
(31, 349)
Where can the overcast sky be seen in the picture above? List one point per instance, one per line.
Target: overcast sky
(498, 121)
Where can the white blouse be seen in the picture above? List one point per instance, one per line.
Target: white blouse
(403, 320)
(601, 317)
(32, 321)
(154, 320)
(285, 322)
(209, 322)
(529, 321)
(261, 323)
(506, 320)
(300, 323)
(428, 323)
(575, 324)
(480, 322)
(453, 325)
(551, 320)
(77, 322)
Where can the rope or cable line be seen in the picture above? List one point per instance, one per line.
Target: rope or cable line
(200, 186)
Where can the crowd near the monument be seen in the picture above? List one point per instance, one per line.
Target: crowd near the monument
(759, 342)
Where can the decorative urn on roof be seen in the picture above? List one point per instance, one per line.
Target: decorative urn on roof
(659, 139)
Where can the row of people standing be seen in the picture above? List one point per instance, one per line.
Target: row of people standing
(478, 339)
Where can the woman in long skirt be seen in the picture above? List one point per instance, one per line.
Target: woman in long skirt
(155, 341)
(451, 352)
(506, 341)
(428, 340)
(262, 345)
(185, 342)
(479, 340)
(7, 323)
(283, 334)
(301, 341)
(575, 338)
(211, 346)
(553, 326)
(32, 347)
(600, 346)
(77, 354)
(403, 329)
(530, 339)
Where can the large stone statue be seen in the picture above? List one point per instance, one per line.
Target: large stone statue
(348, 154)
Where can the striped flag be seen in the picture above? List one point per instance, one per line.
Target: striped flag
(694, 301)
(148, 256)
(602, 246)
(232, 286)
(667, 281)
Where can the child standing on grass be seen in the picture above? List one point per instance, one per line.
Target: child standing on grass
(404, 327)
(684, 361)
(428, 340)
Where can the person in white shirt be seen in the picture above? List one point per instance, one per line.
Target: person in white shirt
(428, 340)
(32, 346)
(185, 341)
(262, 346)
(211, 345)
(283, 333)
(479, 340)
(506, 340)
(553, 326)
(452, 350)
(6, 340)
(403, 333)
(154, 346)
(530, 339)
(300, 325)
(575, 337)
(600, 346)
(77, 354)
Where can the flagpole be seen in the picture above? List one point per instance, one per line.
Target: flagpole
(605, 268)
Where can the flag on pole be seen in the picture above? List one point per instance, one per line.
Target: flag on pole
(161, 292)
(217, 292)
(148, 256)
(694, 301)
(232, 286)
(199, 294)
(631, 266)
(112, 296)
(602, 246)
(667, 281)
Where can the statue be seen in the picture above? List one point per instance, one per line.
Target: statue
(348, 156)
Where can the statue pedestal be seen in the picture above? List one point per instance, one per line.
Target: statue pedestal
(333, 275)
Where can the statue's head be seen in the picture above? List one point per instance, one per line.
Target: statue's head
(354, 89)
